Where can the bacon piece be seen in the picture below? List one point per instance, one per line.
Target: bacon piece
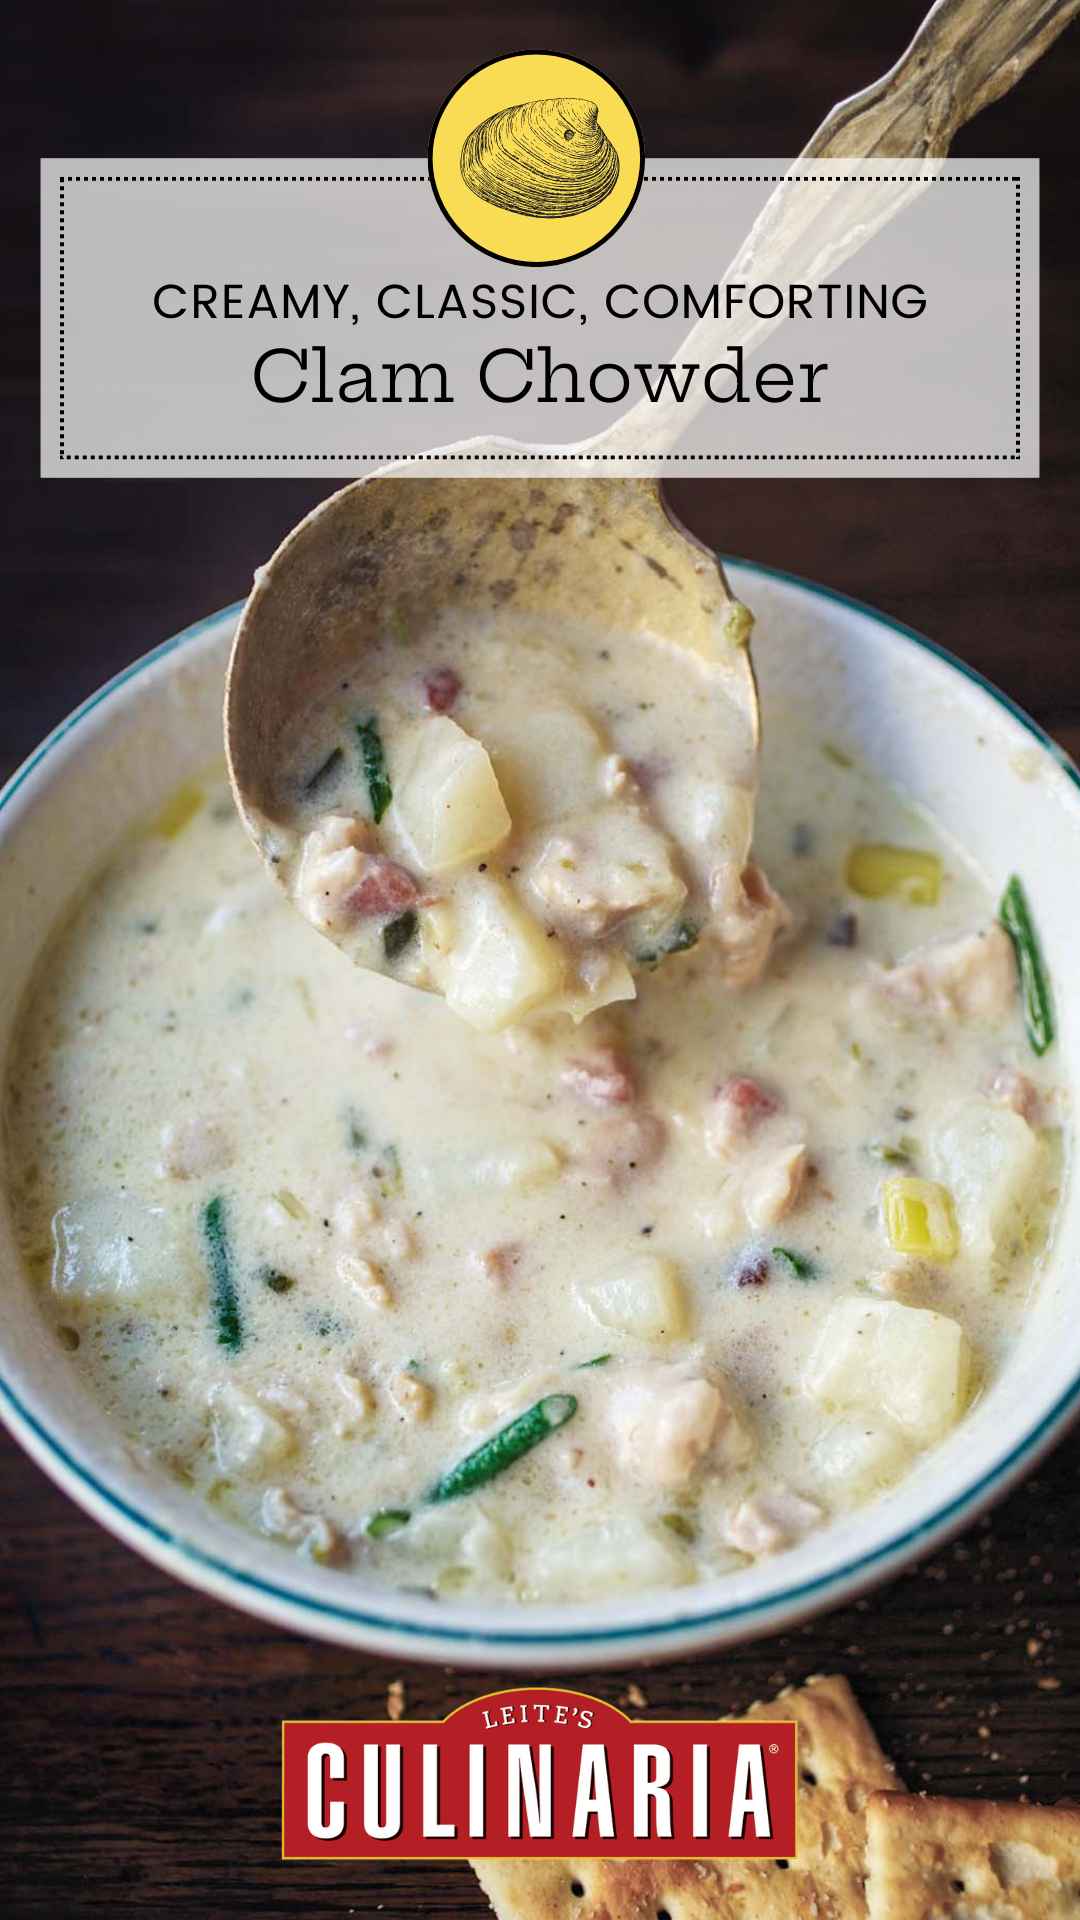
(748, 1097)
(738, 1107)
(498, 1263)
(384, 888)
(648, 772)
(752, 1270)
(603, 1077)
(332, 865)
(441, 688)
(1011, 1088)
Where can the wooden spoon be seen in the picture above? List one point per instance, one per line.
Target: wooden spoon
(450, 543)
(600, 554)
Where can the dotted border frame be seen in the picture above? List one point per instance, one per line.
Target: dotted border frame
(558, 459)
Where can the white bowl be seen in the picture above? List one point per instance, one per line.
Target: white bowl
(993, 780)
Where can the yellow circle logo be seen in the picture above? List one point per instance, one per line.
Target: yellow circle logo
(536, 158)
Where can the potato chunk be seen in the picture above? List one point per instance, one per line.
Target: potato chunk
(858, 1455)
(620, 1554)
(990, 1157)
(549, 762)
(114, 1247)
(644, 1297)
(881, 1356)
(490, 958)
(447, 802)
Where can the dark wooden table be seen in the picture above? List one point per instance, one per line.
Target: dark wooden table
(140, 1757)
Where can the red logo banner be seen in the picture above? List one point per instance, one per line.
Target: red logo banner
(535, 1772)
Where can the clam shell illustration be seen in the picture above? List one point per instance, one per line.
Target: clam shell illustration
(545, 158)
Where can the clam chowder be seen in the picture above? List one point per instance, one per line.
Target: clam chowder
(514, 1303)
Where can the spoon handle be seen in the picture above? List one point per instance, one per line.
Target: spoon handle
(966, 54)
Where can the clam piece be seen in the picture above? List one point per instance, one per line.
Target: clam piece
(544, 158)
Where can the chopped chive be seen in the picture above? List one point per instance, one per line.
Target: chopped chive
(682, 937)
(323, 775)
(901, 1155)
(678, 1524)
(836, 754)
(801, 1266)
(223, 1301)
(356, 1133)
(326, 1326)
(386, 1520)
(397, 934)
(1015, 916)
(601, 1360)
(493, 1456)
(373, 763)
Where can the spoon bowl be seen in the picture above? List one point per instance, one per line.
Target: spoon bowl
(409, 550)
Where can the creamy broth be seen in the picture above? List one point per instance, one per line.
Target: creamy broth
(313, 1240)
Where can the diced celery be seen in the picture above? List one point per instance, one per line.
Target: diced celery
(293, 1207)
(919, 1217)
(680, 1525)
(875, 871)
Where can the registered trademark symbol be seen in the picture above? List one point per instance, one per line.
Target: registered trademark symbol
(774, 1748)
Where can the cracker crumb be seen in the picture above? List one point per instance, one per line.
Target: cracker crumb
(395, 1700)
(1048, 1684)
(634, 1696)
